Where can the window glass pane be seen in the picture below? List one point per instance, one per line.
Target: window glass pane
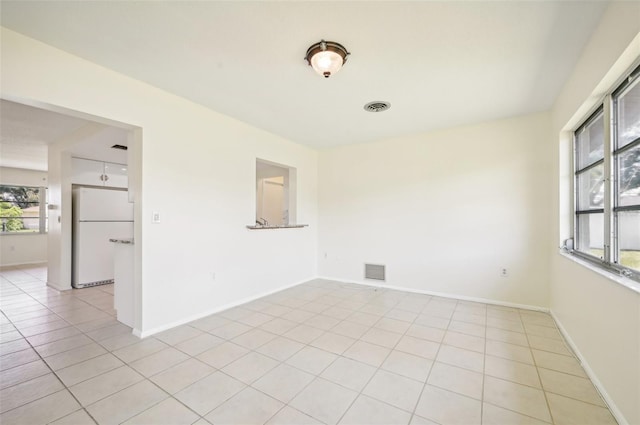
(590, 235)
(19, 209)
(590, 143)
(629, 177)
(629, 239)
(590, 186)
(628, 118)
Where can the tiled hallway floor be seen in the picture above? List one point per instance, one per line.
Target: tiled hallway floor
(323, 352)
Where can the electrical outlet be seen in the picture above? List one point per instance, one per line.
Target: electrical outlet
(503, 272)
(155, 218)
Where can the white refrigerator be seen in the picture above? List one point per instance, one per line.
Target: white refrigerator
(98, 215)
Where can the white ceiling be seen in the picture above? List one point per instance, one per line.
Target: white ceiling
(26, 132)
(439, 64)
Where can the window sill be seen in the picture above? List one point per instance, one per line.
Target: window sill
(284, 226)
(621, 280)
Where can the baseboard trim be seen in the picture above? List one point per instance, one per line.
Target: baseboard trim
(22, 263)
(617, 414)
(146, 333)
(58, 287)
(442, 294)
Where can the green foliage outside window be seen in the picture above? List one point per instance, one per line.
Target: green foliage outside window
(8, 212)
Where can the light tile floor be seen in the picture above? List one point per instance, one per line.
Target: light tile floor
(322, 352)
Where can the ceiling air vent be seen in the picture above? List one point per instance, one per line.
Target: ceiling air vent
(377, 106)
(121, 147)
(374, 271)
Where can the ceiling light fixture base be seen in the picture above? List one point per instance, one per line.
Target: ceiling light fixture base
(326, 57)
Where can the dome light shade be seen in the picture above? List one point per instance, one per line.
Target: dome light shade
(326, 57)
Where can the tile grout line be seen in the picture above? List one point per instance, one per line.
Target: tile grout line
(280, 363)
(325, 331)
(65, 387)
(316, 377)
(535, 363)
(484, 367)
(59, 380)
(530, 349)
(426, 379)
(377, 369)
(267, 372)
(537, 368)
(329, 365)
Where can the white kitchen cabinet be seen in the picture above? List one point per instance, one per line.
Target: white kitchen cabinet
(116, 175)
(98, 173)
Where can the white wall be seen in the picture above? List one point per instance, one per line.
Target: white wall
(22, 177)
(188, 152)
(601, 317)
(26, 248)
(444, 211)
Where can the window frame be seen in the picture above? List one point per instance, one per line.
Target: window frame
(591, 118)
(42, 211)
(608, 109)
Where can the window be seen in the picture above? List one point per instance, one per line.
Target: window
(22, 210)
(626, 166)
(275, 194)
(607, 181)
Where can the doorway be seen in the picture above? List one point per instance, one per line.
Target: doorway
(43, 139)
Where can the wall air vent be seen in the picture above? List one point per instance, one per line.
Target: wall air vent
(121, 147)
(374, 271)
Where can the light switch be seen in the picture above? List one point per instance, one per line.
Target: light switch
(156, 217)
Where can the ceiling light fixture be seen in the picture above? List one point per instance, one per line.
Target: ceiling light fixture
(326, 57)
